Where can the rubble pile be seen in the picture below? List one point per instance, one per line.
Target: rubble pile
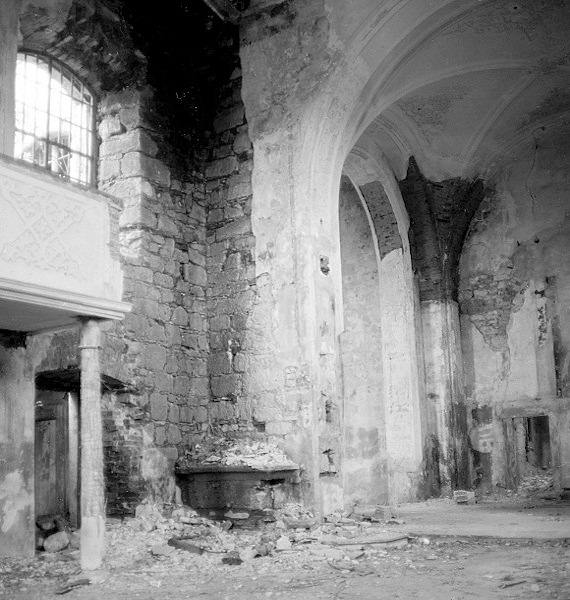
(180, 535)
(540, 481)
(242, 452)
(162, 540)
(53, 533)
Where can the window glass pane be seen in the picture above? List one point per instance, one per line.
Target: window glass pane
(37, 153)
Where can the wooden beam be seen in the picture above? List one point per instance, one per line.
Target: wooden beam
(225, 10)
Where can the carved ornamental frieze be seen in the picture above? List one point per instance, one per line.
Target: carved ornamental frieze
(45, 219)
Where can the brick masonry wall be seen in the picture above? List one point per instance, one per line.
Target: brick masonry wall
(180, 348)
(440, 214)
(161, 346)
(383, 218)
(231, 288)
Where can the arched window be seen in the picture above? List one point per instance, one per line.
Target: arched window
(55, 119)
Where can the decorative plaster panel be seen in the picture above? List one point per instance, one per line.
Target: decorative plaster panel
(56, 236)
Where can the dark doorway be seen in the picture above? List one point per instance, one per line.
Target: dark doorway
(527, 447)
(57, 452)
(538, 453)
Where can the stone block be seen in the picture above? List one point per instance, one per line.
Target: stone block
(143, 274)
(225, 386)
(180, 316)
(173, 413)
(230, 118)
(135, 164)
(109, 169)
(159, 435)
(163, 382)
(163, 280)
(231, 213)
(219, 363)
(172, 335)
(110, 126)
(242, 143)
(200, 388)
(240, 190)
(197, 322)
(137, 216)
(135, 188)
(240, 363)
(198, 257)
(221, 411)
(195, 274)
(233, 229)
(220, 323)
(173, 435)
(200, 414)
(182, 385)
(198, 213)
(56, 542)
(215, 216)
(153, 357)
(167, 225)
(171, 453)
(185, 414)
(222, 168)
(158, 407)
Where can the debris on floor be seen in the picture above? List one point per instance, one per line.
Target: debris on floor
(364, 541)
(254, 454)
(464, 497)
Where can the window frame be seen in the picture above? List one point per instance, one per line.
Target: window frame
(54, 64)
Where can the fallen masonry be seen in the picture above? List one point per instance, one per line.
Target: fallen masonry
(174, 548)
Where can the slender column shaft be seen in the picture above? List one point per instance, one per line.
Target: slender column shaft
(92, 477)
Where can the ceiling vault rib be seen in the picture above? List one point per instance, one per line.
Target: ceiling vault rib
(225, 10)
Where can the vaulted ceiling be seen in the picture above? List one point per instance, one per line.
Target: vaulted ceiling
(465, 86)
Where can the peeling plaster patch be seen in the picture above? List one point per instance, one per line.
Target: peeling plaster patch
(156, 469)
(526, 16)
(429, 111)
(289, 42)
(296, 378)
(324, 265)
(556, 103)
(15, 498)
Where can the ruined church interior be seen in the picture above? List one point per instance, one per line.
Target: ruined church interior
(259, 254)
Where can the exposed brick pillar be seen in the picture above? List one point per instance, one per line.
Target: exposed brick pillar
(440, 213)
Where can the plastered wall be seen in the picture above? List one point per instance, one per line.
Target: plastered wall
(514, 292)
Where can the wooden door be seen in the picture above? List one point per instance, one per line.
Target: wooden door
(51, 453)
(46, 467)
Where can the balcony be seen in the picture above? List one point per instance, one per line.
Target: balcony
(59, 251)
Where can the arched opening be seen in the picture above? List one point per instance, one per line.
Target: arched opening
(364, 428)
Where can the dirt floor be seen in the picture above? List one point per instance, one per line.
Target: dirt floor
(507, 547)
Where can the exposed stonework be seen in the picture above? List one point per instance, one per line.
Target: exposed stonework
(161, 346)
(382, 215)
(440, 214)
(90, 38)
(271, 299)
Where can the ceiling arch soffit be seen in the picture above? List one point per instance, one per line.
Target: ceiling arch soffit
(366, 164)
(377, 98)
(411, 41)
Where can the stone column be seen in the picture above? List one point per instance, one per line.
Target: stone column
(9, 13)
(17, 520)
(440, 213)
(92, 477)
